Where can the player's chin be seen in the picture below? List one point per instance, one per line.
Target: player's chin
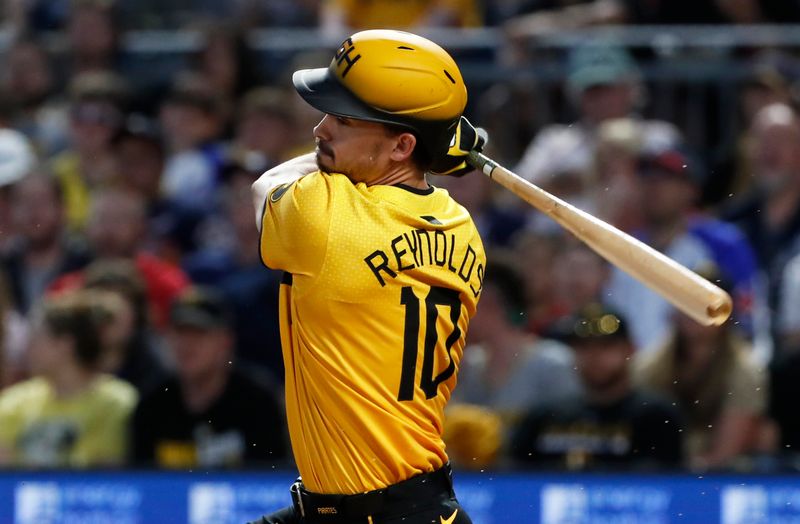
(322, 163)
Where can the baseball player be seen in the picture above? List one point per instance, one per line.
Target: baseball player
(382, 274)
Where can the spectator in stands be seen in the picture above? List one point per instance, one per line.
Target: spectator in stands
(474, 436)
(671, 181)
(265, 129)
(511, 111)
(172, 229)
(537, 253)
(230, 264)
(193, 119)
(615, 424)
(616, 171)
(93, 37)
(770, 215)
(506, 368)
(13, 338)
(69, 414)
(305, 117)
(787, 321)
(698, 12)
(580, 276)
(224, 61)
(536, 18)
(603, 83)
(42, 251)
(30, 82)
(212, 414)
(543, 17)
(280, 13)
(784, 388)
(766, 84)
(140, 156)
(710, 12)
(17, 160)
(116, 229)
(719, 388)
(132, 353)
(342, 17)
(97, 102)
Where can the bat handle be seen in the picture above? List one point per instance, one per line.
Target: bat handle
(481, 162)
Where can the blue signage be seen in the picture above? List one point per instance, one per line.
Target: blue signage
(236, 498)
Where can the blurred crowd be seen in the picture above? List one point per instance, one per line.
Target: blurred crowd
(139, 328)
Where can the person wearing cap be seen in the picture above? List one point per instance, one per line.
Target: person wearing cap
(382, 272)
(670, 183)
(614, 424)
(212, 413)
(603, 82)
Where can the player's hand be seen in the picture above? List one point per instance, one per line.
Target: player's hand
(466, 138)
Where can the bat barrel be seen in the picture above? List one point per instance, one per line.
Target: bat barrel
(694, 295)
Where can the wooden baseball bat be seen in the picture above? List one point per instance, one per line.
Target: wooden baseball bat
(694, 295)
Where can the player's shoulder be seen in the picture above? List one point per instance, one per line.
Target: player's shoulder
(449, 205)
(316, 185)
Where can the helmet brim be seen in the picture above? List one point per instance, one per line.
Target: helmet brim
(323, 92)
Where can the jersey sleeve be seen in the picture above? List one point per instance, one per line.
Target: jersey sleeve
(295, 223)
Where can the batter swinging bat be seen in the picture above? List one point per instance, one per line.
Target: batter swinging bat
(697, 297)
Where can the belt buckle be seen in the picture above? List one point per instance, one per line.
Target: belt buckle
(297, 497)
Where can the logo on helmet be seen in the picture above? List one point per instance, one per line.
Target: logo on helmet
(344, 55)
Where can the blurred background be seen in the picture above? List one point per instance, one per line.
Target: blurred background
(140, 360)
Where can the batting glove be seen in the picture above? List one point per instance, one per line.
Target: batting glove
(466, 138)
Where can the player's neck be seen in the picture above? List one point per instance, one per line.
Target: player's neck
(405, 174)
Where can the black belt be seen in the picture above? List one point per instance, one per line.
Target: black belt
(401, 498)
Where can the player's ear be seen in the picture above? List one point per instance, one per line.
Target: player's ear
(403, 147)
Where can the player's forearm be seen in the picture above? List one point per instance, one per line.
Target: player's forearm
(285, 173)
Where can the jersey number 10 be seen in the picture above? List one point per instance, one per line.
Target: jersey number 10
(437, 296)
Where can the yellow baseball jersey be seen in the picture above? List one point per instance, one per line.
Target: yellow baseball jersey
(381, 282)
